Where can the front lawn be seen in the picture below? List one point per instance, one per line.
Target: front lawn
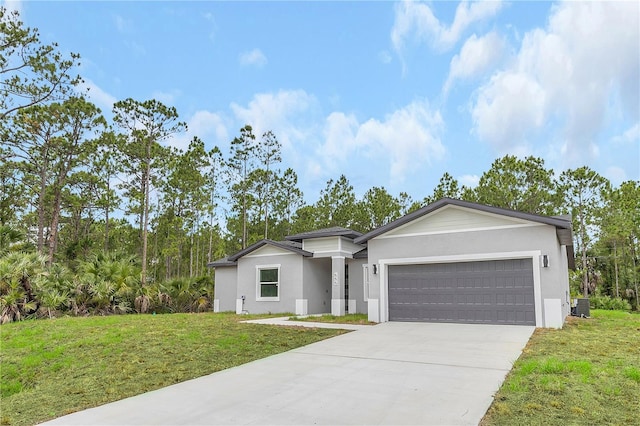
(54, 367)
(361, 319)
(588, 373)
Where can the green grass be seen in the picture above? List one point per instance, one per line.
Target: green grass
(588, 373)
(54, 367)
(361, 319)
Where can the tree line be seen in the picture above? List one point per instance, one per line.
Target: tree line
(100, 216)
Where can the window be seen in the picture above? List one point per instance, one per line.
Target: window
(268, 283)
(346, 289)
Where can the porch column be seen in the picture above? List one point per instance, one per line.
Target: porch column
(337, 285)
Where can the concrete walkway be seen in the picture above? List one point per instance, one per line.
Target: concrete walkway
(286, 321)
(391, 373)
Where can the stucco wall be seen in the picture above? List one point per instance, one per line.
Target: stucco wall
(356, 287)
(321, 245)
(317, 285)
(290, 287)
(225, 288)
(349, 246)
(553, 279)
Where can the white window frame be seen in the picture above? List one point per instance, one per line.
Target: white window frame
(258, 283)
(365, 282)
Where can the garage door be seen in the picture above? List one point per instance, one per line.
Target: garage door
(487, 292)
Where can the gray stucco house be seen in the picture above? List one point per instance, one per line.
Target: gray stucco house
(450, 261)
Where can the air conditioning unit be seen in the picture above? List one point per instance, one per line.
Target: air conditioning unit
(582, 307)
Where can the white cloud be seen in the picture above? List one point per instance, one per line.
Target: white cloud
(631, 135)
(339, 129)
(13, 5)
(384, 57)
(403, 141)
(167, 98)
(279, 112)
(407, 138)
(314, 169)
(570, 74)
(208, 126)
(616, 175)
(508, 109)
(253, 57)
(214, 26)
(416, 21)
(476, 56)
(470, 181)
(96, 95)
(123, 25)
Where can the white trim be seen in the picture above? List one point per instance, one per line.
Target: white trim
(365, 282)
(533, 255)
(384, 292)
(273, 254)
(537, 290)
(338, 257)
(328, 253)
(456, 231)
(267, 299)
(553, 313)
(337, 307)
(216, 305)
(302, 306)
(373, 310)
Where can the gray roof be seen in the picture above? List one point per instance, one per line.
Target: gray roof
(287, 245)
(336, 231)
(563, 225)
(362, 254)
(221, 263)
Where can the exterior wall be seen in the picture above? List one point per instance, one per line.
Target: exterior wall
(317, 285)
(564, 281)
(290, 282)
(225, 288)
(454, 218)
(268, 250)
(356, 285)
(528, 241)
(320, 245)
(349, 246)
(331, 246)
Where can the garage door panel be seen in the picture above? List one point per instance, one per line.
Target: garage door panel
(496, 292)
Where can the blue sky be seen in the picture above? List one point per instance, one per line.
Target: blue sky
(389, 94)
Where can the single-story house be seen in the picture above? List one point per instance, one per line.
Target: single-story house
(450, 261)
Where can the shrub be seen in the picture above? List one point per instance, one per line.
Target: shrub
(609, 303)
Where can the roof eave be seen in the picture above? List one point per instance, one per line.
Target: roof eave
(290, 248)
(348, 233)
(262, 243)
(553, 221)
(220, 263)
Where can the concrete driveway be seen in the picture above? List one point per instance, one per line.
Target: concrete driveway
(391, 373)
